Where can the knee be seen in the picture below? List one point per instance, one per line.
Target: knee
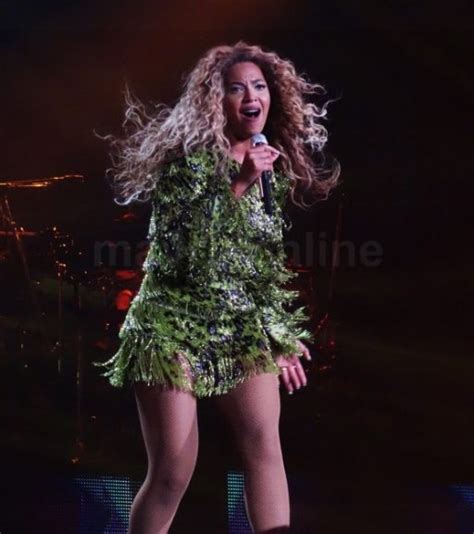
(263, 447)
(171, 478)
(175, 482)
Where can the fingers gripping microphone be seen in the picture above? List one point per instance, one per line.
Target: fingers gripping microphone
(256, 140)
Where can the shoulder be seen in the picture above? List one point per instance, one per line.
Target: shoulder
(186, 176)
(199, 163)
(282, 185)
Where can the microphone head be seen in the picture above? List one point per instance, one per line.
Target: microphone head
(258, 139)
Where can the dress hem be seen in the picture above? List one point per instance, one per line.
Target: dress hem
(182, 382)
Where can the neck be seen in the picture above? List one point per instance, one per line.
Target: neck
(238, 148)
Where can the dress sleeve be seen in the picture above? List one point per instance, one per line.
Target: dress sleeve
(283, 320)
(178, 201)
(284, 326)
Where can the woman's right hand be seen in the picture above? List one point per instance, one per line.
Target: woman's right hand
(256, 160)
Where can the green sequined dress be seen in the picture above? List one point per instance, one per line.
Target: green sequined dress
(211, 310)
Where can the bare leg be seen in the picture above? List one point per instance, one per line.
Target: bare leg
(253, 410)
(168, 420)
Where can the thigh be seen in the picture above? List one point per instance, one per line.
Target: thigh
(253, 410)
(168, 419)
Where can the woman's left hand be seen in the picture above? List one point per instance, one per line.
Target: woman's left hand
(293, 375)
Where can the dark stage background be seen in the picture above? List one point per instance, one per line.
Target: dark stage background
(395, 403)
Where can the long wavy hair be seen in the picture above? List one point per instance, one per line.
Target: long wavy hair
(198, 122)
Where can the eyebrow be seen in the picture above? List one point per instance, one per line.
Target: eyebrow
(252, 81)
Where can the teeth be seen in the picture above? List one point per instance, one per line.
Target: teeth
(251, 112)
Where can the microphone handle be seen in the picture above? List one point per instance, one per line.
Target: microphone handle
(267, 192)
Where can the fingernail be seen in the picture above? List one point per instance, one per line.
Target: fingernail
(290, 392)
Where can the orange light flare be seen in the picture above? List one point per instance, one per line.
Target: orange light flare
(39, 183)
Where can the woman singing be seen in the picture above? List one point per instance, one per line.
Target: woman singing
(211, 316)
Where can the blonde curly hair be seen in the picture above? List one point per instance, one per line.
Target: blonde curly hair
(198, 121)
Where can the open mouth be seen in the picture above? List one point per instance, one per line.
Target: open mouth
(251, 113)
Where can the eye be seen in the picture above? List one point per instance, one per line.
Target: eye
(260, 86)
(233, 89)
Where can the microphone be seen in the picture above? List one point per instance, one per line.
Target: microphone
(265, 184)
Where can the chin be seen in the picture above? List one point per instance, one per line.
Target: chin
(254, 130)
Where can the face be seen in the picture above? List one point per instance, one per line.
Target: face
(246, 100)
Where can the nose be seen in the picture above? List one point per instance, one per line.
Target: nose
(250, 93)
